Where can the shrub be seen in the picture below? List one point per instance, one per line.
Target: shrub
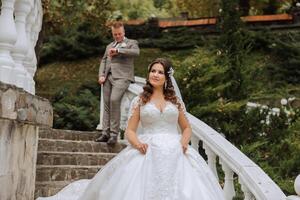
(79, 111)
(73, 44)
(284, 49)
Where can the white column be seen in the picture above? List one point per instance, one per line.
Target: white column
(100, 125)
(22, 8)
(8, 37)
(38, 18)
(297, 190)
(28, 61)
(229, 185)
(211, 160)
(247, 193)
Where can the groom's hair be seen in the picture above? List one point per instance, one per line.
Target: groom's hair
(117, 24)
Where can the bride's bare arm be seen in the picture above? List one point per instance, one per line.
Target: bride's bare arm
(185, 128)
(130, 131)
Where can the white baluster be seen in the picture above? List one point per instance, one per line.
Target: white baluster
(229, 185)
(297, 185)
(38, 18)
(211, 160)
(28, 61)
(247, 193)
(100, 125)
(22, 8)
(297, 190)
(8, 37)
(195, 142)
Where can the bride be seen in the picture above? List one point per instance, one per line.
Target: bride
(158, 164)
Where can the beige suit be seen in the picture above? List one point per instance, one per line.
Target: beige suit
(119, 72)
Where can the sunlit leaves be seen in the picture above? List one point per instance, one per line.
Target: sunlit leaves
(60, 15)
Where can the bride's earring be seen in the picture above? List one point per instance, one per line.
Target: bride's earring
(165, 85)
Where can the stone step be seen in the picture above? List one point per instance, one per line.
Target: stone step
(78, 146)
(73, 158)
(68, 134)
(65, 172)
(49, 188)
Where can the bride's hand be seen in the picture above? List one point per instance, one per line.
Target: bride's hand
(184, 146)
(142, 147)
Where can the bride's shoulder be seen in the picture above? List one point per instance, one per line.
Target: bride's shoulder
(136, 101)
(180, 103)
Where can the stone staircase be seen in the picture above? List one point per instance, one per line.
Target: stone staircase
(65, 156)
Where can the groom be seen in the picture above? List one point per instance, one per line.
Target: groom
(116, 72)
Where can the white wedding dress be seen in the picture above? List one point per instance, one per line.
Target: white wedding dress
(163, 173)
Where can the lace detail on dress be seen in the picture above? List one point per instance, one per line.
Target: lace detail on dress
(183, 108)
(163, 184)
(135, 103)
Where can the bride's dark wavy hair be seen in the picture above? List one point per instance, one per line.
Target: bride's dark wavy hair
(168, 91)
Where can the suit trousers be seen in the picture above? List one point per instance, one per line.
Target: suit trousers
(113, 91)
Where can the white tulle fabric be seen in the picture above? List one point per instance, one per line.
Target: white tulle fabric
(164, 173)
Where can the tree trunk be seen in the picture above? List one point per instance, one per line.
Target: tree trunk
(244, 7)
(271, 8)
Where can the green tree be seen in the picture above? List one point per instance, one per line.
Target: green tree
(234, 44)
(199, 8)
(244, 7)
(159, 3)
(63, 18)
(140, 9)
(269, 6)
(60, 15)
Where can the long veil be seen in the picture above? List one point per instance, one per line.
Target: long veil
(176, 88)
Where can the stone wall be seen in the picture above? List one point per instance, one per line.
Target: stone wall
(21, 114)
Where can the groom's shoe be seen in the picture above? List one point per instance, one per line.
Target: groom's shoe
(112, 140)
(102, 138)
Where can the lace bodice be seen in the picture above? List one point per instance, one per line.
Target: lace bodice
(154, 121)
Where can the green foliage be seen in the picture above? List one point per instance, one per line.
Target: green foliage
(199, 8)
(171, 39)
(200, 78)
(73, 29)
(260, 7)
(234, 44)
(280, 159)
(284, 48)
(77, 112)
(265, 138)
(159, 3)
(150, 29)
(137, 9)
(64, 15)
(73, 44)
(271, 7)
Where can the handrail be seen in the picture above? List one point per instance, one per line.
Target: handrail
(258, 182)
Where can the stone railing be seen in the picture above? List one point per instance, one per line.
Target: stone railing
(254, 182)
(21, 115)
(20, 24)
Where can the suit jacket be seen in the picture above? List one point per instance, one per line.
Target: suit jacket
(121, 65)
